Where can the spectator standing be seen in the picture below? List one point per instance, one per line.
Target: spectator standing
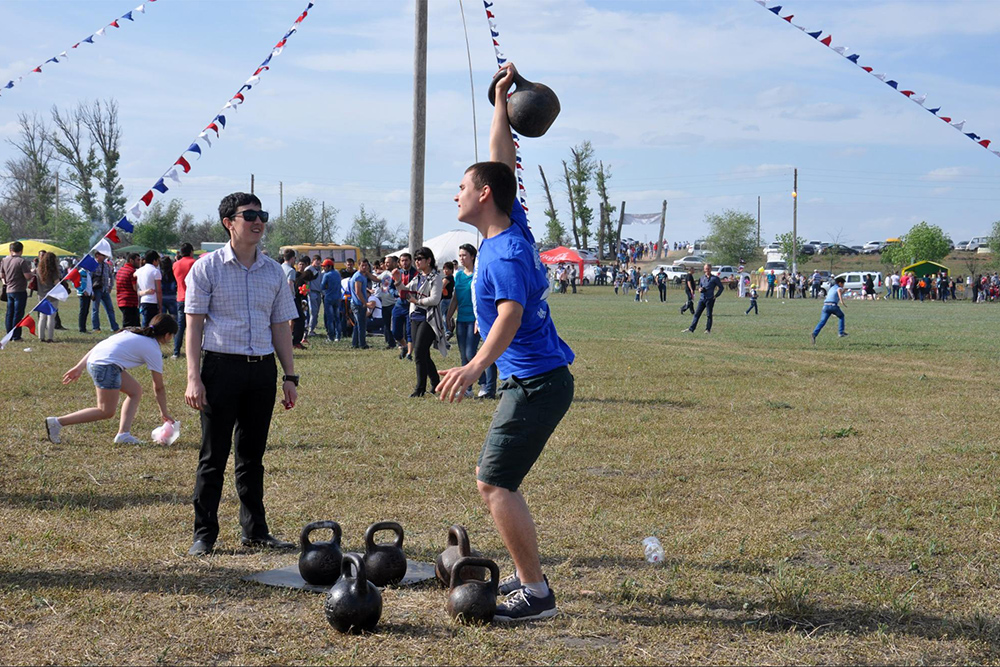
(770, 284)
(461, 312)
(447, 293)
(332, 299)
(84, 292)
(15, 271)
(181, 269)
(358, 289)
(101, 280)
(401, 329)
(315, 293)
(425, 317)
(387, 295)
(710, 288)
(168, 285)
(349, 270)
(238, 306)
(125, 288)
(689, 290)
(661, 284)
(148, 281)
(48, 277)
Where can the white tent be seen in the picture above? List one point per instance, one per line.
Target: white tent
(445, 246)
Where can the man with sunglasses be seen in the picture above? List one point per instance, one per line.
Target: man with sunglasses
(238, 307)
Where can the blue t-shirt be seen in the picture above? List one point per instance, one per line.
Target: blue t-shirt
(463, 292)
(358, 277)
(832, 294)
(332, 288)
(508, 268)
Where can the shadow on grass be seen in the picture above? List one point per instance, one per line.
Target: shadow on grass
(668, 402)
(88, 500)
(138, 580)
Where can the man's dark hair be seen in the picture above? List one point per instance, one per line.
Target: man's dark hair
(151, 256)
(288, 254)
(16, 246)
(502, 182)
(131, 257)
(317, 258)
(839, 280)
(186, 250)
(231, 202)
(406, 255)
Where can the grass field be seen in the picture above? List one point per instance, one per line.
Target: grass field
(817, 505)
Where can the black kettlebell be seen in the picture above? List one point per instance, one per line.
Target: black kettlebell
(384, 563)
(458, 547)
(531, 108)
(319, 562)
(353, 605)
(473, 600)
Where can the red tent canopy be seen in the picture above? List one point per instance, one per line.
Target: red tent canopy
(563, 255)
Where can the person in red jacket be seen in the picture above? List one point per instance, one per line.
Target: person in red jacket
(127, 295)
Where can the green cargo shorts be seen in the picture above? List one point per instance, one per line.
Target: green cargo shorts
(528, 413)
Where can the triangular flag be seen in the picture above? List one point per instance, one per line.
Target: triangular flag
(222, 120)
(880, 77)
(172, 175)
(115, 23)
(87, 263)
(892, 83)
(840, 49)
(89, 40)
(102, 247)
(854, 57)
(128, 15)
(973, 136)
(58, 292)
(213, 126)
(147, 198)
(815, 35)
(935, 110)
(6, 339)
(907, 92)
(45, 307)
(958, 126)
(125, 225)
(141, 9)
(112, 236)
(63, 55)
(919, 99)
(775, 9)
(789, 17)
(204, 135)
(867, 69)
(194, 148)
(185, 165)
(160, 186)
(100, 33)
(27, 322)
(985, 143)
(135, 213)
(74, 276)
(945, 119)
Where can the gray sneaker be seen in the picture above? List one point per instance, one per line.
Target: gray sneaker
(523, 606)
(509, 584)
(52, 428)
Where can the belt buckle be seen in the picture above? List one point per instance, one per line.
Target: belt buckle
(252, 359)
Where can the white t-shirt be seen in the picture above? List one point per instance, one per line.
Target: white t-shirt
(145, 278)
(128, 350)
(377, 313)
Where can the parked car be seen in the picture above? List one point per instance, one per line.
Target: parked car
(698, 247)
(962, 245)
(984, 248)
(872, 247)
(841, 249)
(854, 280)
(676, 273)
(808, 249)
(859, 248)
(777, 267)
(725, 272)
(976, 242)
(771, 247)
(697, 261)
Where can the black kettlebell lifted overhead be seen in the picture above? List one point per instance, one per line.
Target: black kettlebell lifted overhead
(353, 605)
(531, 108)
(320, 562)
(385, 564)
(458, 547)
(473, 600)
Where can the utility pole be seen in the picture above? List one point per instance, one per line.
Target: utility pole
(57, 196)
(281, 200)
(663, 224)
(322, 224)
(758, 221)
(795, 221)
(621, 221)
(251, 183)
(419, 126)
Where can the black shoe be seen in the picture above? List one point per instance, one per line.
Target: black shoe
(409, 357)
(200, 548)
(389, 346)
(417, 394)
(268, 542)
(402, 355)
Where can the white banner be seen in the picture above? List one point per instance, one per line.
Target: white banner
(642, 218)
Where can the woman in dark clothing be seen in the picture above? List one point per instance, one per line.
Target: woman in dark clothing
(426, 319)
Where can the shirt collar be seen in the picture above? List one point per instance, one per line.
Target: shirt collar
(229, 255)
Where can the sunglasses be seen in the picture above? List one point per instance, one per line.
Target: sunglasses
(252, 216)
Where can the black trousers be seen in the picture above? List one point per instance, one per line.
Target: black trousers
(663, 293)
(299, 327)
(130, 316)
(423, 339)
(84, 311)
(239, 396)
(703, 305)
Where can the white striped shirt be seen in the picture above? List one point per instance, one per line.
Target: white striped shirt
(240, 304)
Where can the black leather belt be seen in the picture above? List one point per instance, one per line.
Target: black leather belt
(246, 358)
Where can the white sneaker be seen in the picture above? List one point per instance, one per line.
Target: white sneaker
(126, 439)
(52, 427)
(482, 392)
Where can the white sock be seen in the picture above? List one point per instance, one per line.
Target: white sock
(538, 590)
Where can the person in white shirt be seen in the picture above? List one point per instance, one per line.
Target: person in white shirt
(108, 363)
(148, 286)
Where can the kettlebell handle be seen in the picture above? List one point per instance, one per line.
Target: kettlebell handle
(383, 525)
(474, 561)
(459, 537)
(360, 583)
(501, 73)
(320, 525)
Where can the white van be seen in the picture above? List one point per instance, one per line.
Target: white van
(854, 281)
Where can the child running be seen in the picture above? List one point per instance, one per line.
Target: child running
(108, 363)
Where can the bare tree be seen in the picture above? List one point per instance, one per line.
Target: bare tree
(555, 232)
(101, 120)
(572, 205)
(30, 188)
(68, 140)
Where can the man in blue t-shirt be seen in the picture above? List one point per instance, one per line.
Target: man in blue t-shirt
(710, 288)
(358, 286)
(333, 297)
(509, 291)
(831, 306)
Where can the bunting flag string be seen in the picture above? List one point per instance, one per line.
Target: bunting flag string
(501, 60)
(848, 54)
(117, 23)
(182, 164)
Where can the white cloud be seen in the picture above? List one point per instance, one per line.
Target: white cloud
(949, 173)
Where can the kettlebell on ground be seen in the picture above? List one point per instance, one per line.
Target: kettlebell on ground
(353, 605)
(458, 547)
(320, 562)
(472, 600)
(385, 564)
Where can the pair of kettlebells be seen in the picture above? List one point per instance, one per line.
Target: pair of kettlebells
(320, 562)
(471, 598)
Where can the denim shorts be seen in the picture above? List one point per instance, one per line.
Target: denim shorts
(106, 376)
(528, 412)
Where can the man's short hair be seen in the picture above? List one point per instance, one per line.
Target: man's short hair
(839, 280)
(16, 246)
(288, 254)
(317, 258)
(231, 202)
(186, 250)
(500, 179)
(151, 256)
(406, 255)
(131, 257)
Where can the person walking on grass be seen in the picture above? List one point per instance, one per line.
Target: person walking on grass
(239, 306)
(710, 288)
(689, 289)
(108, 363)
(661, 284)
(832, 306)
(509, 290)
(753, 302)
(15, 271)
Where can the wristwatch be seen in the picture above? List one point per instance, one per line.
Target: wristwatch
(294, 379)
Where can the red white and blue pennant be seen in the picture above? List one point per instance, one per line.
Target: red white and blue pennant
(855, 58)
(89, 39)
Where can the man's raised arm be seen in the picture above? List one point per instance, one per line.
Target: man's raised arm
(501, 142)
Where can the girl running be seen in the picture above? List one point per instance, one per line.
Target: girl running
(107, 364)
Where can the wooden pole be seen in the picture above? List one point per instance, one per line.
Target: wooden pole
(419, 127)
(663, 224)
(621, 221)
(251, 183)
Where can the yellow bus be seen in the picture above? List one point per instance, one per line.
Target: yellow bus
(338, 253)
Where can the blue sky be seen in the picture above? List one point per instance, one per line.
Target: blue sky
(705, 104)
